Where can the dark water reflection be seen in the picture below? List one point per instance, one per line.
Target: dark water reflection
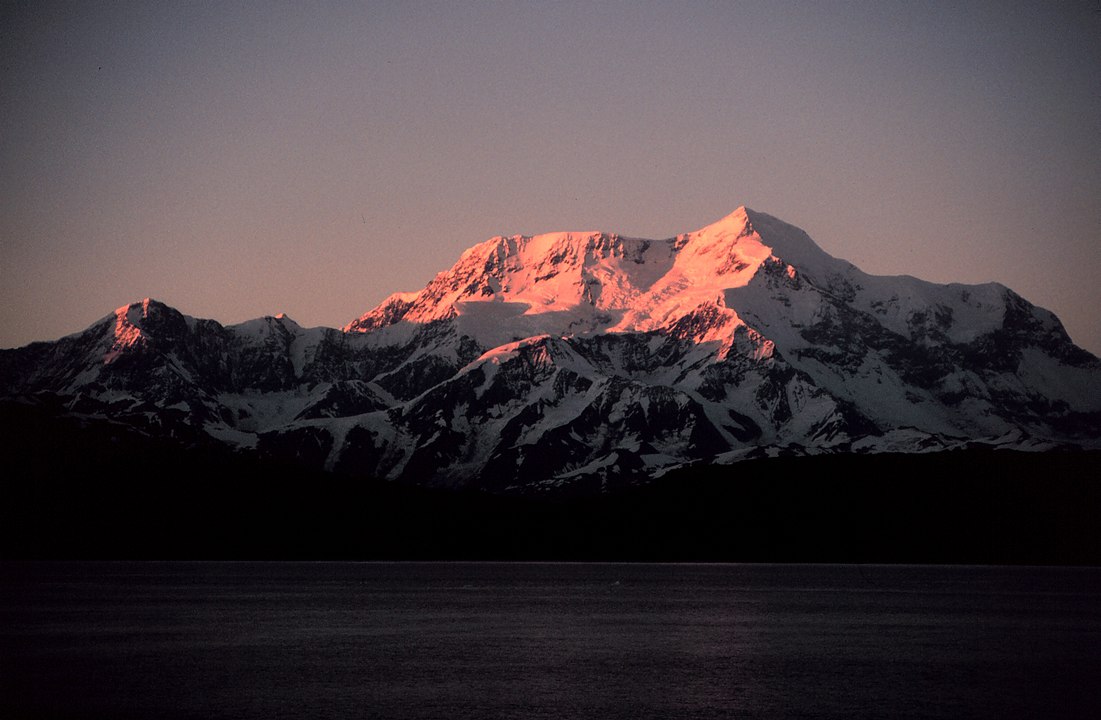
(350, 640)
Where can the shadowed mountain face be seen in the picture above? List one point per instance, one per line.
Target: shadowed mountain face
(575, 360)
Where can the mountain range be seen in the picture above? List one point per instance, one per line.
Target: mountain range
(578, 361)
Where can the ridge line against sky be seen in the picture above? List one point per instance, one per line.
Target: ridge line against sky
(237, 159)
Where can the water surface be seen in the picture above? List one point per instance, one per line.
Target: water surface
(492, 640)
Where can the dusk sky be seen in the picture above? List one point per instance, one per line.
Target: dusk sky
(244, 159)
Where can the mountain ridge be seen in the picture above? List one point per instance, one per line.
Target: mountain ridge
(540, 362)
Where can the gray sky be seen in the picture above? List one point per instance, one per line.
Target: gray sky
(242, 159)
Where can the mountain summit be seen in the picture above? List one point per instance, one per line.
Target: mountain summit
(577, 359)
(576, 283)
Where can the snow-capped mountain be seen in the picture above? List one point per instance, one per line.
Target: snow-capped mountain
(569, 358)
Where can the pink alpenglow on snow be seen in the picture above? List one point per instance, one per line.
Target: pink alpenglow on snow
(571, 283)
(127, 329)
(568, 357)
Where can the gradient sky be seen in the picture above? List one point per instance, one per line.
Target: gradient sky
(243, 159)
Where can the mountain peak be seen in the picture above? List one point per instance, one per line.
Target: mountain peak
(127, 332)
(286, 321)
(140, 308)
(133, 324)
(782, 240)
(577, 282)
(737, 223)
(741, 217)
(132, 315)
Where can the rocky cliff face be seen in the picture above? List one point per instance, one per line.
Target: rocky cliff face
(578, 359)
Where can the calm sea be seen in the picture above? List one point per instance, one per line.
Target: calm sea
(488, 640)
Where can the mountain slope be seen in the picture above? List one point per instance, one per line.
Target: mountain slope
(583, 359)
